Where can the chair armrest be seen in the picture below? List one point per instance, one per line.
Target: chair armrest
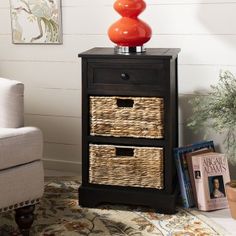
(20, 146)
(11, 103)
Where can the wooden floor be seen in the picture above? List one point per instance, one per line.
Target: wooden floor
(221, 217)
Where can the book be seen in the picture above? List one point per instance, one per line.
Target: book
(211, 173)
(190, 169)
(183, 173)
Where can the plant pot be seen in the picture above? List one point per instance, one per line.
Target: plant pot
(231, 196)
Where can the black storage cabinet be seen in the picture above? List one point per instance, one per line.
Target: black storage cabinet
(150, 74)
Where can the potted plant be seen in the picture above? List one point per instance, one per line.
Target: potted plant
(217, 110)
(231, 195)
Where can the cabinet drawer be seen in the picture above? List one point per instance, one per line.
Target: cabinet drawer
(139, 117)
(127, 74)
(126, 166)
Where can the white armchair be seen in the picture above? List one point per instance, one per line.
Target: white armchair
(21, 169)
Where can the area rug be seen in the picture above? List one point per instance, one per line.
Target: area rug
(58, 214)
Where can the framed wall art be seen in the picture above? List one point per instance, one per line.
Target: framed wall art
(36, 21)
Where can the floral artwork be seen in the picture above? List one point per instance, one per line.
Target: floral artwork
(36, 21)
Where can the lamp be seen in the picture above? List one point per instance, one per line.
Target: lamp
(129, 33)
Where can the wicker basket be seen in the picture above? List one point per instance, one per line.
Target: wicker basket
(126, 166)
(139, 117)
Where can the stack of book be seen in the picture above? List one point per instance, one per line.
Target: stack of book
(202, 174)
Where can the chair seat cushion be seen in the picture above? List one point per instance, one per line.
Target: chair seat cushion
(19, 146)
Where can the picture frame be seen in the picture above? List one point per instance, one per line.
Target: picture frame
(36, 21)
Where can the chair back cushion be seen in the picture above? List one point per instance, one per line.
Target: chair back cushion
(11, 103)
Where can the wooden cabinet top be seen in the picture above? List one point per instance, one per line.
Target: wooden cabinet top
(164, 53)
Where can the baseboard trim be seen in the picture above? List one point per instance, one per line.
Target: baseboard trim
(68, 166)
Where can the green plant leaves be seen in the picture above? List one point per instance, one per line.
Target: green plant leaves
(217, 110)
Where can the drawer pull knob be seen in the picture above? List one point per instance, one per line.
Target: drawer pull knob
(125, 152)
(124, 76)
(125, 103)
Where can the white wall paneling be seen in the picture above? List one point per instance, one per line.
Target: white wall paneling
(55, 102)
(62, 165)
(62, 152)
(62, 156)
(200, 49)
(205, 30)
(56, 75)
(5, 26)
(169, 19)
(149, 2)
(70, 3)
(198, 78)
(4, 4)
(57, 129)
(68, 52)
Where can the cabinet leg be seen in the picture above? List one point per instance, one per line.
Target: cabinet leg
(24, 218)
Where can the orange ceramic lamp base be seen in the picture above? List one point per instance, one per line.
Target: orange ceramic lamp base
(130, 31)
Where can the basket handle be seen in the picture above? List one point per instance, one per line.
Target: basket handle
(127, 152)
(127, 103)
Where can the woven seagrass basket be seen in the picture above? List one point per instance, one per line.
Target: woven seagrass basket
(139, 117)
(126, 166)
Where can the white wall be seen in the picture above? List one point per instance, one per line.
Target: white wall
(204, 30)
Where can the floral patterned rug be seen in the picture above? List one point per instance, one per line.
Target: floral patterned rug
(58, 214)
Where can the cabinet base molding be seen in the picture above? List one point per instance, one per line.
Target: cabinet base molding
(92, 197)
